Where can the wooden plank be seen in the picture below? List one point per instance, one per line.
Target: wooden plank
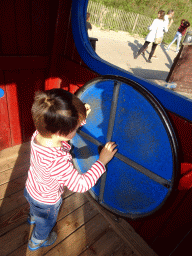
(8, 28)
(18, 216)
(14, 218)
(14, 239)
(70, 45)
(21, 87)
(23, 26)
(73, 74)
(44, 20)
(13, 168)
(125, 231)
(12, 202)
(25, 88)
(12, 187)
(11, 78)
(76, 56)
(15, 162)
(40, 27)
(54, 6)
(39, 78)
(65, 227)
(9, 156)
(71, 201)
(63, 24)
(60, 36)
(16, 200)
(36, 82)
(124, 251)
(84, 237)
(14, 173)
(5, 136)
(108, 244)
(23, 62)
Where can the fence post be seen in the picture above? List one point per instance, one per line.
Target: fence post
(99, 17)
(103, 12)
(135, 22)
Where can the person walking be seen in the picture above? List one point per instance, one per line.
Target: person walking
(168, 19)
(155, 35)
(180, 32)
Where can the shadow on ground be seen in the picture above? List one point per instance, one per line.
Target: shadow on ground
(150, 74)
(163, 48)
(137, 45)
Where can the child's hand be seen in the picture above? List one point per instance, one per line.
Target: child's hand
(108, 152)
(88, 109)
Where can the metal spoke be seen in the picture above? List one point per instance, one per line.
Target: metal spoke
(113, 109)
(131, 163)
(143, 170)
(110, 131)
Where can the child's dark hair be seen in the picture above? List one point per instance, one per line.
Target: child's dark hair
(162, 14)
(170, 11)
(87, 16)
(186, 23)
(57, 111)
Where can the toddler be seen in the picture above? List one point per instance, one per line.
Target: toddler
(57, 114)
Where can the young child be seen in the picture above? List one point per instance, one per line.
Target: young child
(57, 114)
(180, 32)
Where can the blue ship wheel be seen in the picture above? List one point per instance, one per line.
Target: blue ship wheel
(144, 172)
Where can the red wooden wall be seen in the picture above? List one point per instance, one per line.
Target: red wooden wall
(19, 81)
(26, 42)
(38, 52)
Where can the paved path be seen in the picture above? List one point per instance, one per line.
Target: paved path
(118, 48)
(121, 54)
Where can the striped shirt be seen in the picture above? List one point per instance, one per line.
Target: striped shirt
(51, 169)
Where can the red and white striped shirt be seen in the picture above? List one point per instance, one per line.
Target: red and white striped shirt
(51, 169)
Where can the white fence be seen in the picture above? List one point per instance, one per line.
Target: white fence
(114, 19)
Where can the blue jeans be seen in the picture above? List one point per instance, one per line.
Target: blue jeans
(177, 37)
(45, 216)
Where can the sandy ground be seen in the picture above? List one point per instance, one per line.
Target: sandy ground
(119, 47)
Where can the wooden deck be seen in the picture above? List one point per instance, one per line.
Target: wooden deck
(83, 227)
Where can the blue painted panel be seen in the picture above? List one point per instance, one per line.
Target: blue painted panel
(144, 139)
(85, 155)
(99, 97)
(131, 192)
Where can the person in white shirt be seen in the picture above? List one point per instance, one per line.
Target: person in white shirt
(168, 19)
(155, 35)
